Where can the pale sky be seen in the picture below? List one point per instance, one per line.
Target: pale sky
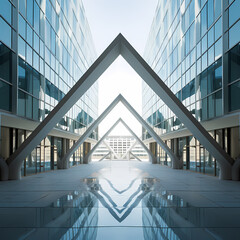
(108, 18)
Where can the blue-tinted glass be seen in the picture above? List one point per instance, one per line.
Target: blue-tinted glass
(6, 10)
(36, 17)
(204, 44)
(36, 43)
(21, 47)
(210, 12)
(22, 7)
(234, 10)
(210, 37)
(218, 8)
(29, 35)
(211, 106)
(35, 109)
(36, 84)
(5, 96)
(28, 106)
(21, 26)
(234, 94)
(192, 11)
(42, 25)
(203, 84)
(218, 49)
(53, 41)
(218, 29)
(5, 63)
(218, 103)
(218, 75)
(234, 63)
(204, 110)
(48, 10)
(30, 11)
(211, 74)
(21, 103)
(198, 49)
(234, 34)
(35, 61)
(48, 34)
(211, 55)
(204, 20)
(5, 35)
(29, 54)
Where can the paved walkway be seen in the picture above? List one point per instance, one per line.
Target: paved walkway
(196, 188)
(125, 199)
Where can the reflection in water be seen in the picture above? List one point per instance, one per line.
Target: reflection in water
(133, 206)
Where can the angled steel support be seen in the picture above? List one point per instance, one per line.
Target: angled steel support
(129, 150)
(136, 157)
(110, 149)
(120, 46)
(152, 158)
(100, 141)
(104, 157)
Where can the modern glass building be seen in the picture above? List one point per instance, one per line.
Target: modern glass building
(194, 47)
(45, 47)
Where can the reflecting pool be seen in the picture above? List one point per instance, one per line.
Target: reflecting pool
(116, 204)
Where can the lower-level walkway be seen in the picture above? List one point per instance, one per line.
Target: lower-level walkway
(120, 200)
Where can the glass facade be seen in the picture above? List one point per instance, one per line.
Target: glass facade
(194, 47)
(45, 47)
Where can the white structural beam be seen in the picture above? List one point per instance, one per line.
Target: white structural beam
(104, 157)
(100, 141)
(119, 46)
(139, 141)
(130, 148)
(110, 149)
(136, 157)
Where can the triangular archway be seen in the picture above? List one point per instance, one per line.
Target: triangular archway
(175, 161)
(86, 159)
(120, 46)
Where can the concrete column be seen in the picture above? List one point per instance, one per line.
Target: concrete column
(153, 149)
(86, 150)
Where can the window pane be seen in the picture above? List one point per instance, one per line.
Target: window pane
(21, 47)
(5, 35)
(218, 8)
(36, 17)
(30, 11)
(22, 26)
(22, 7)
(234, 10)
(5, 63)
(29, 106)
(210, 12)
(218, 103)
(35, 109)
(29, 54)
(203, 84)
(29, 35)
(234, 34)
(218, 29)
(234, 94)
(21, 103)
(211, 108)
(234, 63)
(36, 84)
(5, 96)
(218, 49)
(6, 10)
(204, 20)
